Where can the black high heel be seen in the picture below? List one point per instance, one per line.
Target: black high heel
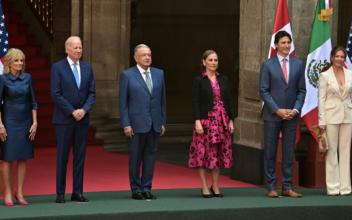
(206, 196)
(215, 195)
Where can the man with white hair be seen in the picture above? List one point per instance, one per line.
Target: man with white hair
(73, 91)
(143, 117)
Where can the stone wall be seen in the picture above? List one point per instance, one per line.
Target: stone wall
(104, 26)
(256, 25)
(61, 28)
(257, 20)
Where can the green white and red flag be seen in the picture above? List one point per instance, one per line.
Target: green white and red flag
(318, 57)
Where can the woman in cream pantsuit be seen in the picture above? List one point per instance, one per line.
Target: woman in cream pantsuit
(335, 116)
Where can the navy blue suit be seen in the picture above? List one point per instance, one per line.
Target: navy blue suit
(277, 94)
(145, 112)
(68, 97)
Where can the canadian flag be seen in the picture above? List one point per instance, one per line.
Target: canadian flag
(282, 23)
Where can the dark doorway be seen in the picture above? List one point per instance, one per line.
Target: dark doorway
(178, 33)
(344, 21)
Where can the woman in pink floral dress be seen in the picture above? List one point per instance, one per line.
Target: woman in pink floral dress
(211, 147)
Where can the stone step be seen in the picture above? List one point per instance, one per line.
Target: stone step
(115, 148)
(171, 130)
(120, 144)
(116, 141)
(109, 127)
(106, 135)
(98, 118)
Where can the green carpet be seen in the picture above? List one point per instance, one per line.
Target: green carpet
(237, 203)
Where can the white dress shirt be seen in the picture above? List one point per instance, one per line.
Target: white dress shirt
(141, 70)
(78, 68)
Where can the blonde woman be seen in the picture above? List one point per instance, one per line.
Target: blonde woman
(18, 122)
(335, 116)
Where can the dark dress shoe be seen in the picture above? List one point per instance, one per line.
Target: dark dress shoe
(215, 195)
(206, 195)
(138, 196)
(78, 198)
(60, 198)
(148, 195)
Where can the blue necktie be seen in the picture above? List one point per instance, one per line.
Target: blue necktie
(75, 72)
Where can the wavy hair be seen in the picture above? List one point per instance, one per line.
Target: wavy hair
(10, 57)
(332, 54)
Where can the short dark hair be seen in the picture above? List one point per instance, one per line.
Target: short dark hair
(280, 35)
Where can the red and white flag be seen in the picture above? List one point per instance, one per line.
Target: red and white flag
(282, 23)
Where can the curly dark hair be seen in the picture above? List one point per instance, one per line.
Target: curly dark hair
(204, 57)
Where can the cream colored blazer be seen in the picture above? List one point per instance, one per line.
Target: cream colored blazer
(334, 107)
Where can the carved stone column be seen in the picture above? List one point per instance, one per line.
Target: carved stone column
(104, 26)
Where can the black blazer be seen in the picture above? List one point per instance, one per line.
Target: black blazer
(202, 93)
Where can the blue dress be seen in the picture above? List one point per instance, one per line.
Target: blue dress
(18, 100)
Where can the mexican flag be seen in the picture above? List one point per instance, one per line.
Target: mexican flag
(318, 57)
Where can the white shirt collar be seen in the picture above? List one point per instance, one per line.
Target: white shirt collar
(281, 57)
(141, 70)
(71, 62)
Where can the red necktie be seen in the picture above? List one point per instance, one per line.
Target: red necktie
(284, 69)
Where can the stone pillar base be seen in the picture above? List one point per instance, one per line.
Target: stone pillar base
(314, 172)
(248, 164)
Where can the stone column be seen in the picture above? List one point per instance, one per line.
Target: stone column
(104, 26)
(256, 25)
(61, 28)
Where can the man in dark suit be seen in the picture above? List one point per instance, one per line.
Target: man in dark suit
(73, 91)
(282, 88)
(143, 116)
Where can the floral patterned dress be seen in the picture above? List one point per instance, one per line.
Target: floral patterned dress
(213, 149)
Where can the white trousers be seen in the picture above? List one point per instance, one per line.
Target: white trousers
(338, 180)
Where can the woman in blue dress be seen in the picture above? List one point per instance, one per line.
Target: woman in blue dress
(18, 122)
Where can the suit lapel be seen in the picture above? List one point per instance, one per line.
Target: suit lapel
(292, 70)
(155, 81)
(333, 82)
(279, 69)
(84, 75)
(347, 83)
(140, 79)
(70, 72)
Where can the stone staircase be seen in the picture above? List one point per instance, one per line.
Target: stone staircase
(37, 65)
(111, 132)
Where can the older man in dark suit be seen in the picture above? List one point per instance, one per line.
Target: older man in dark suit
(73, 91)
(143, 117)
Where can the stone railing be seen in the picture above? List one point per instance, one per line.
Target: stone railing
(43, 11)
